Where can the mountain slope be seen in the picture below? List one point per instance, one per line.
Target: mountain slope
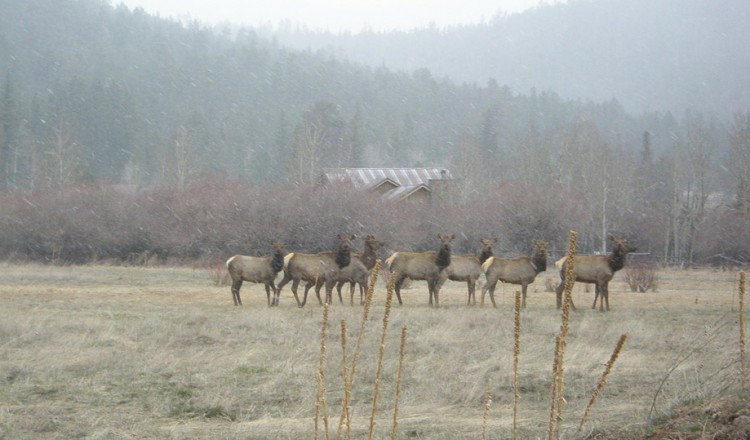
(666, 55)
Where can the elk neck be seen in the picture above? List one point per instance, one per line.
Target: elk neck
(277, 262)
(486, 253)
(616, 259)
(343, 256)
(368, 256)
(539, 261)
(443, 257)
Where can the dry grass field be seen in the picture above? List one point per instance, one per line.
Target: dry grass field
(107, 352)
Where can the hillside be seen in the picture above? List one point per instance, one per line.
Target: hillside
(95, 98)
(124, 85)
(667, 55)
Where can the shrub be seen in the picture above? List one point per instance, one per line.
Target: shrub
(641, 276)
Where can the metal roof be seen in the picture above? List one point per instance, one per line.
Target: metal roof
(406, 180)
(371, 177)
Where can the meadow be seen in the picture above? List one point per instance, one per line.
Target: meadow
(106, 352)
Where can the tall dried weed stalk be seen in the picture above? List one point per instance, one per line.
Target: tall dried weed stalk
(349, 381)
(381, 353)
(487, 405)
(516, 354)
(553, 389)
(558, 364)
(743, 371)
(602, 380)
(344, 367)
(399, 374)
(320, 401)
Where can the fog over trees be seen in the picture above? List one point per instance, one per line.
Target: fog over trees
(124, 135)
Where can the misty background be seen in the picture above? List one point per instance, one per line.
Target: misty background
(123, 134)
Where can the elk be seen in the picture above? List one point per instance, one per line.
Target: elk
(354, 274)
(596, 269)
(469, 268)
(519, 270)
(428, 266)
(313, 268)
(256, 270)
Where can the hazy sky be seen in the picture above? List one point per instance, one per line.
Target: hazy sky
(336, 15)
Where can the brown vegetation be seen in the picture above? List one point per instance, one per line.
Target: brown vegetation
(428, 266)
(598, 270)
(520, 270)
(256, 270)
(641, 276)
(107, 351)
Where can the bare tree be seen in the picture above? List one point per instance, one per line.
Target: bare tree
(178, 164)
(690, 189)
(470, 172)
(739, 161)
(308, 143)
(64, 156)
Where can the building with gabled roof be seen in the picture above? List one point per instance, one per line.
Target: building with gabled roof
(393, 184)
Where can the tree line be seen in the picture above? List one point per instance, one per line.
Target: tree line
(120, 136)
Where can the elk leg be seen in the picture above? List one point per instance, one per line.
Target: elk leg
(596, 295)
(436, 293)
(329, 292)
(436, 290)
(308, 286)
(236, 284)
(491, 287)
(275, 300)
(605, 296)
(268, 294)
(470, 286)
(558, 293)
(399, 282)
(430, 289)
(295, 285)
(339, 285)
(523, 295)
(281, 285)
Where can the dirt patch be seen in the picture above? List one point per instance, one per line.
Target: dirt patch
(722, 418)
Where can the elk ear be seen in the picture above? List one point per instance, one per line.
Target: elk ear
(452, 237)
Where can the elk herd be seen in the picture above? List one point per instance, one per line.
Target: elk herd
(343, 266)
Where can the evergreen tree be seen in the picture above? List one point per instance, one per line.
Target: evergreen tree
(9, 137)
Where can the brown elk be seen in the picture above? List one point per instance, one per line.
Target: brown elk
(468, 268)
(312, 268)
(596, 269)
(256, 270)
(354, 273)
(519, 270)
(428, 266)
